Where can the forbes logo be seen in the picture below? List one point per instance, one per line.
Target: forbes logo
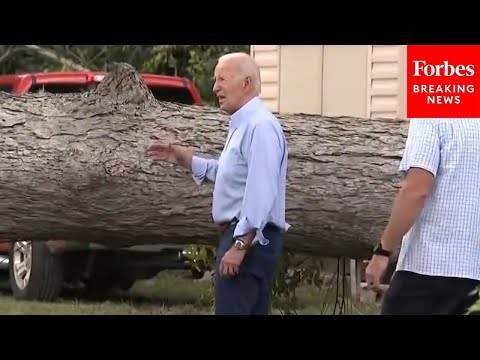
(445, 69)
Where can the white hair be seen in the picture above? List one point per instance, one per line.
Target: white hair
(248, 67)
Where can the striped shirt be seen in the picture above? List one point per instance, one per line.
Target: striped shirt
(445, 239)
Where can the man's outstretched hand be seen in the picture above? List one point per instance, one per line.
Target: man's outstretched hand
(169, 151)
(163, 152)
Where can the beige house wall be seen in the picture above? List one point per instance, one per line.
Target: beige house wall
(301, 91)
(334, 80)
(345, 80)
(268, 59)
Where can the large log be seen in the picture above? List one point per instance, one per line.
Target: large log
(76, 167)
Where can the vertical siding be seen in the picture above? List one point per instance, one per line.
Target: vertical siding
(386, 90)
(268, 59)
(301, 70)
(345, 80)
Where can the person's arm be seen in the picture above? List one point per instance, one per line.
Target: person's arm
(264, 158)
(420, 164)
(202, 169)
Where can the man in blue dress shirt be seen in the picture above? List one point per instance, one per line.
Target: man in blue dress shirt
(249, 193)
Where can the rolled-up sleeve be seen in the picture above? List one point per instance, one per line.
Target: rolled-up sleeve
(204, 169)
(264, 159)
(422, 148)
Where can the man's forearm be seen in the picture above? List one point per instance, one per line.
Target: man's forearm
(407, 206)
(184, 156)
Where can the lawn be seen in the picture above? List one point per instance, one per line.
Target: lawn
(174, 293)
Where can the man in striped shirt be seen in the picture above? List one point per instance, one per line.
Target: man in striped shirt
(436, 218)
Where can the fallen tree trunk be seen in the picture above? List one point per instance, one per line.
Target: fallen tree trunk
(76, 167)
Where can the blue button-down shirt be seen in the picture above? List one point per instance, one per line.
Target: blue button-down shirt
(250, 175)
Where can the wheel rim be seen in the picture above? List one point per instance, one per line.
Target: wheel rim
(22, 263)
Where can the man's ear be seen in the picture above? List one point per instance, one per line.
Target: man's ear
(248, 81)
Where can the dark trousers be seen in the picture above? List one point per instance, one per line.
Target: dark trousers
(416, 294)
(248, 293)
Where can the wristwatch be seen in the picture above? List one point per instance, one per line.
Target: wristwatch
(240, 244)
(378, 250)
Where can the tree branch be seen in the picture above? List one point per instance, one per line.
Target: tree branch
(9, 52)
(54, 56)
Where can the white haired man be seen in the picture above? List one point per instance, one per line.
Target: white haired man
(249, 189)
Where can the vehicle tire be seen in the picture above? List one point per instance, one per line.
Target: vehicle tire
(34, 272)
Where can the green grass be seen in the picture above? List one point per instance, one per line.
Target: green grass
(171, 293)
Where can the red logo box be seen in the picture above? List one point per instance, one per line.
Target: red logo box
(443, 81)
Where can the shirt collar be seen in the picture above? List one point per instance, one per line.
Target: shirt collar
(242, 114)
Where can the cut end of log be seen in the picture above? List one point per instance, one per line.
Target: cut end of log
(124, 85)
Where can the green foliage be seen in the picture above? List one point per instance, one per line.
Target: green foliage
(202, 258)
(193, 61)
(292, 272)
(19, 59)
(475, 308)
(285, 282)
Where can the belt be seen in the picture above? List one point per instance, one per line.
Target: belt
(223, 227)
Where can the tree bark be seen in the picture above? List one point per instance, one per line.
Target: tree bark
(76, 167)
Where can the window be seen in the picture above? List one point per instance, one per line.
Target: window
(6, 88)
(59, 88)
(179, 95)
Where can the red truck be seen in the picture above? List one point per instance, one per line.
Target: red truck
(38, 273)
